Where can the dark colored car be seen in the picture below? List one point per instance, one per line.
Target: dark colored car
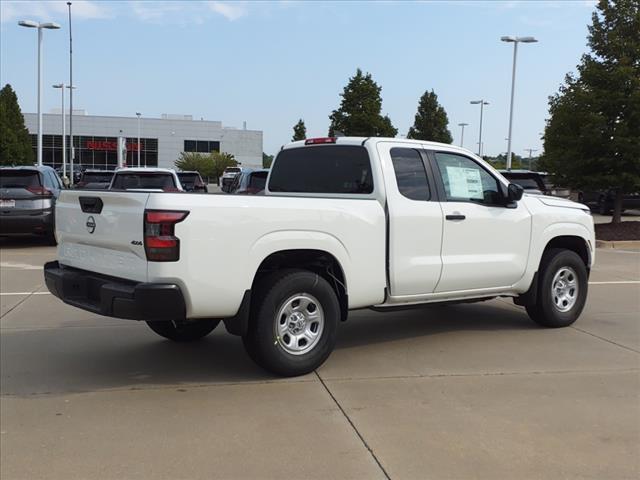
(249, 182)
(27, 201)
(535, 182)
(95, 179)
(603, 201)
(192, 182)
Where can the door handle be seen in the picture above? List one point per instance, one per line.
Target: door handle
(455, 217)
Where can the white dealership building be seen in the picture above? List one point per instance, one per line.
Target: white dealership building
(161, 139)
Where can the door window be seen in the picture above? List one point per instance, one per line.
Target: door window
(411, 176)
(466, 181)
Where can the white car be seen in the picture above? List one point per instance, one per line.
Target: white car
(148, 179)
(345, 223)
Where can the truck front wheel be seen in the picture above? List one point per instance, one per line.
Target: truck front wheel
(183, 330)
(293, 322)
(562, 291)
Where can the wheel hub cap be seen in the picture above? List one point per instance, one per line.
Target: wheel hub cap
(564, 289)
(299, 323)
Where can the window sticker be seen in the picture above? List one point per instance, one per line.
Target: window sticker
(465, 182)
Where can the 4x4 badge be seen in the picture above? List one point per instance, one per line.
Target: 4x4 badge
(91, 224)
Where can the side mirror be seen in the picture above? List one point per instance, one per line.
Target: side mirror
(514, 192)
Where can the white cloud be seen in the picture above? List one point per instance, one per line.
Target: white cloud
(231, 11)
(52, 10)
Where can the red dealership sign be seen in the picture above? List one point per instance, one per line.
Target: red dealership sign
(106, 145)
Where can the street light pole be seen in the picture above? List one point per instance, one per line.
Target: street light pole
(482, 103)
(515, 41)
(62, 86)
(72, 150)
(138, 114)
(462, 134)
(39, 26)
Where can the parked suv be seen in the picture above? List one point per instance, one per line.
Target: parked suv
(95, 179)
(603, 200)
(535, 182)
(147, 179)
(192, 182)
(249, 182)
(27, 201)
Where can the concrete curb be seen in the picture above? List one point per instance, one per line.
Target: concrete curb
(618, 244)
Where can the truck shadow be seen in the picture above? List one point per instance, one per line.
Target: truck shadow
(79, 359)
(27, 241)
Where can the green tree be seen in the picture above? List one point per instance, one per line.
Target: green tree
(359, 112)
(299, 131)
(15, 142)
(592, 138)
(431, 121)
(267, 160)
(199, 162)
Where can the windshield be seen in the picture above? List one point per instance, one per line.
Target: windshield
(129, 181)
(19, 178)
(97, 177)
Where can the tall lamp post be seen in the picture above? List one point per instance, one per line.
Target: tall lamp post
(139, 115)
(515, 41)
(39, 26)
(462, 134)
(482, 103)
(62, 86)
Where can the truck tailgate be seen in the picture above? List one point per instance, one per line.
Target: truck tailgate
(102, 232)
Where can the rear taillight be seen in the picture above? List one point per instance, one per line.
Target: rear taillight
(160, 242)
(37, 190)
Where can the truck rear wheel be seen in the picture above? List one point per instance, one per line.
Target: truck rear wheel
(183, 330)
(293, 323)
(562, 291)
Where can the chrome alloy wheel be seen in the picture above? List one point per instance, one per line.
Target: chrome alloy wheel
(299, 323)
(564, 289)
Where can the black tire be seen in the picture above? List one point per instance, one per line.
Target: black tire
(545, 312)
(183, 330)
(263, 343)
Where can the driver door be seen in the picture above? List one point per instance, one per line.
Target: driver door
(485, 243)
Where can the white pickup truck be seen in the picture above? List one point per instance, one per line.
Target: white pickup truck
(345, 223)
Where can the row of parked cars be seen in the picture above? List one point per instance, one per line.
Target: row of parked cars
(28, 194)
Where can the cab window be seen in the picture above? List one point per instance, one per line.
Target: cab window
(411, 176)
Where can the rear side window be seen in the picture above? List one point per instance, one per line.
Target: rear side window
(19, 179)
(410, 173)
(126, 181)
(188, 179)
(337, 169)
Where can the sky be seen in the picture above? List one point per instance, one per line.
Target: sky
(271, 63)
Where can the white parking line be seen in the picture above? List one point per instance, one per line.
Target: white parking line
(20, 266)
(24, 293)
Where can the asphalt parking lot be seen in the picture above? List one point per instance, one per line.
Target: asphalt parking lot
(457, 392)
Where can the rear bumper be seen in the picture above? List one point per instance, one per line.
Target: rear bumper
(114, 297)
(26, 224)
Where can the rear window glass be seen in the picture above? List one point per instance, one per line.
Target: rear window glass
(19, 179)
(258, 180)
(526, 183)
(126, 181)
(97, 177)
(232, 170)
(322, 169)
